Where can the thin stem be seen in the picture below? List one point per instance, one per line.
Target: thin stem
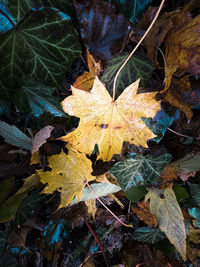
(8, 18)
(107, 207)
(97, 240)
(138, 44)
(187, 136)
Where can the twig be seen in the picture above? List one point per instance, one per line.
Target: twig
(138, 44)
(107, 207)
(187, 136)
(97, 240)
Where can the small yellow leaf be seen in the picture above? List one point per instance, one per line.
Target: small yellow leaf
(109, 123)
(68, 175)
(169, 217)
(91, 205)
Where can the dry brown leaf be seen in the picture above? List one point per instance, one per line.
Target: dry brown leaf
(143, 212)
(85, 81)
(176, 96)
(168, 174)
(109, 123)
(182, 52)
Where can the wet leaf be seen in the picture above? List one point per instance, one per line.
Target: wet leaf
(43, 47)
(5, 24)
(14, 136)
(188, 163)
(68, 175)
(169, 217)
(195, 193)
(181, 193)
(148, 235)
(107, 123)
(136, 67)
(139, 170)
(135, 193)
(103, 30)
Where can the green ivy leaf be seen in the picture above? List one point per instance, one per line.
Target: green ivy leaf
(42, 46)
(139, 170)
(135, 193)
(148, 235)
(38, 98)
(189, 163)
(195, 193)
(19, 8)
(100, 189)
(181, 193)
(136, 67)
(14, 136)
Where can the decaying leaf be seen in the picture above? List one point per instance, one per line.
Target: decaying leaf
(143, 212)
(68, 175)
(85, 81)
(41, 137)
(108, 123)
(183, 50)
(91, 205)
(169, 217)
(176, 95)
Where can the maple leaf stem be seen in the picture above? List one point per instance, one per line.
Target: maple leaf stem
(135, 48)
(183, 135)
(107, 207)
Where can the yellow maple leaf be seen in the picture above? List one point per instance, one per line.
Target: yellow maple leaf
(109, 123)
(183, 50)
(68, 175)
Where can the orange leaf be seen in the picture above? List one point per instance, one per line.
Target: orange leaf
(85, 81)
(143, 212)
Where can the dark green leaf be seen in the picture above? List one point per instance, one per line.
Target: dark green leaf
(9, 207)
(19, 8)
(148, 235)
(135, 193)
(195, 193)
(43, 46)
(38, 98)
(166, 247)
(14, 136)
(132, 9)
(6, 186)
(181, 193)
(27, 208)
(138, 170)
(137, 67)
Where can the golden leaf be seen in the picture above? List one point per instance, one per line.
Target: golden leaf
(109, 123)
(91, 205)
(169, 217)
(85, 81)
(68, 175)
(183, 50)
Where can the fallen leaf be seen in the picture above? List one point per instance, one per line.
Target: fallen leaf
(169, 217)
(183, 50)
(137, 170)
(143, 212)
(41, 137)
(168, 174)
(185, 175)
(108, 123)
(68, 175)
(85, 81)
(148, 235)
(18, 237)
(176, 95)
